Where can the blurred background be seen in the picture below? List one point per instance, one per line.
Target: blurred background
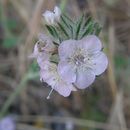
(105, 105)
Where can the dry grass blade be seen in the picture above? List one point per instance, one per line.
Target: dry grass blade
(111, 52)
(21, 10)
(117, 114)
(33, 27)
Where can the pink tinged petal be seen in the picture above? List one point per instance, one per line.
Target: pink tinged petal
(48, 77)
(100, 63)
(67, 72)
(42, 58)
(91, 43)
(84, 78)
(63, 89)
(67, 48)
(44, 75)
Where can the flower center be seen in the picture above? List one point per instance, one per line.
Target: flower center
(79, 60)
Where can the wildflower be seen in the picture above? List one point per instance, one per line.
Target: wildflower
(81, 60)
(7, 123)
(50, 75)
(43, 49)
(52, 18)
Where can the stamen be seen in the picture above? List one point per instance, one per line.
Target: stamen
(48, 97)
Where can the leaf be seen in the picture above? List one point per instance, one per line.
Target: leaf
(88, 29)
(78, 26)
(98, 29)
(67, 19)
(11, 24)
(67, 26)
(89, 19)
(52, 31)
(62, 28)
(65, 22)
(10, 42)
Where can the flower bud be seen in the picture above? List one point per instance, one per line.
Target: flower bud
(52, 18)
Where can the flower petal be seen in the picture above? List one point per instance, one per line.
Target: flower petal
(84, 78)
(35, 51)
(67, 48)
(57, 13)
(91, 43)
(100, 63)
(63, 89)
(66, 71)
(49, 17)
(41, 58)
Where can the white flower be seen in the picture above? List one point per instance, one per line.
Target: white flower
(43, 49)
(81, 60)
(52, 17)
(50, 75)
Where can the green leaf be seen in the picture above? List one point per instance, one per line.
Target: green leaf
(68, 20)
(10, 42)
(67, 26)
(65, 22)
(52, 31)
(78, 26)
(88, 21)
(11, 24)
(62, 28)
(98, 29)
(87, 30)
(34, 67)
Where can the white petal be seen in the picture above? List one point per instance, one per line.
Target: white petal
(35, 51)
(100, 63)
(49, 17)
(91, 43)
(48, 70)
(84, 79)
(57, 13)
(67, 48)
(44, 75)
(63, 89)
(66, 71)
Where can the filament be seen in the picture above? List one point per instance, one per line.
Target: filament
(48, 97)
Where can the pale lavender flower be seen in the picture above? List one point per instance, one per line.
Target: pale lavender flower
(50, 75)
(7, 123)
(43, 49)
(81, 60)
(52, 18)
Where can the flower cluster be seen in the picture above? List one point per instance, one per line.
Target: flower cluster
(71, 57)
